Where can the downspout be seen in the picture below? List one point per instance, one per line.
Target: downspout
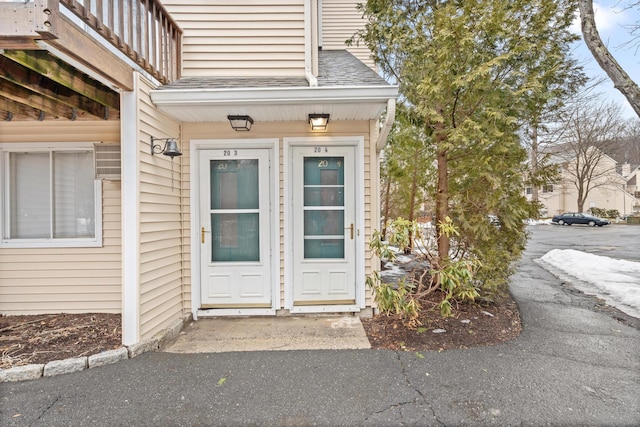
(183, 291)
(388, 123)
(320, 26)
(311, 42)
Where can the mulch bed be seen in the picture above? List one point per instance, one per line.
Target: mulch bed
(42, 338)
(471, 325)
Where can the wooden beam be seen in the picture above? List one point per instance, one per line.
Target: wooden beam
(36, 101)
(81, 47)
(18, 110)
(19, 42)
(39, 24)
(29, 19)
(64, 74)
(28, 79)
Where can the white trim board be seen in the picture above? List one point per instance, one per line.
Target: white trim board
(129, 142)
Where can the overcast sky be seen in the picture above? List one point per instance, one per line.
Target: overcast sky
(611, 19)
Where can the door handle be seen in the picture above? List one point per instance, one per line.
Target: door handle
(350, 228)
(202, 233)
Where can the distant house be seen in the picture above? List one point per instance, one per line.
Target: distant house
(160, 159)
(631, 174)
(610, 189)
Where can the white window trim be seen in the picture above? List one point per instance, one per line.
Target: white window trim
(4, 191)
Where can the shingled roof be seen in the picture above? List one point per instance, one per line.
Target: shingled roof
(341, 68)
(335, 68)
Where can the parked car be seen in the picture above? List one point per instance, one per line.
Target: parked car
(570, 218)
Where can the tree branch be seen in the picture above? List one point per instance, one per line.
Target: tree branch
(607, 62)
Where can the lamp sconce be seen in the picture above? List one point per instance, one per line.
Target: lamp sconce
(240, 123)
(318, 121)
(170, 148)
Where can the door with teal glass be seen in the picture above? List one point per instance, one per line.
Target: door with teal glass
(235, 232)
(324, 225)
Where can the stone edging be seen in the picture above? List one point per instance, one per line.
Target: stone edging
(66, 366)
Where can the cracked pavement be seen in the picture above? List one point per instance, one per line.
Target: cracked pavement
(574, 364)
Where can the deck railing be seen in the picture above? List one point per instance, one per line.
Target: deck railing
(141, 29)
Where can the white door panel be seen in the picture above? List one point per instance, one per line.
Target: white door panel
(236, 234)
(323, 225)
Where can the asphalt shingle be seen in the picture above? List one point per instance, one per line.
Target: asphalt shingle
(335, 68)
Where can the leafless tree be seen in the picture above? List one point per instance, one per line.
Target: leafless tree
(633, 28)
(632, 142)
(590, 131)
(627, 148)
(607, 62)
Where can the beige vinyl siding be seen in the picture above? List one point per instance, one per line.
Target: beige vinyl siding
(241, 38)
(160, 216)
(70, 280)
(293, 129)
(340, 20)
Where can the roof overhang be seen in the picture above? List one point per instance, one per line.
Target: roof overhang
(274, 104)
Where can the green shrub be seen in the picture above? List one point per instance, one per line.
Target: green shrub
(454, 277)
(599, 212)
(613, 213)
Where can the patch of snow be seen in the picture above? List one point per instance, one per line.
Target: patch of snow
(404, 258)
(615, 281)
(392, 269)
(532, 221)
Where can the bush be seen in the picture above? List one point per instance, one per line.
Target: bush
(604, 213)
(453, 277)
(613, 213)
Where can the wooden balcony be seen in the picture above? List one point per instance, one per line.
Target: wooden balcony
(67, 42)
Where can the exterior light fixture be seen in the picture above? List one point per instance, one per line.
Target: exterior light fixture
(240, 123)
(170, 148)
(318, 121)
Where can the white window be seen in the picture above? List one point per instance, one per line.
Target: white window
(50, 197)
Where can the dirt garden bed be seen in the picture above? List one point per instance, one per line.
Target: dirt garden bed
(43, 338)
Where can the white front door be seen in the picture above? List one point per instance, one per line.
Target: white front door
(235, 228)
(323, 189)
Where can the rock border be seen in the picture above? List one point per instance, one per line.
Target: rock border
(76, 364)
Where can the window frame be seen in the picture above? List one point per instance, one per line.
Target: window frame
(5, 218)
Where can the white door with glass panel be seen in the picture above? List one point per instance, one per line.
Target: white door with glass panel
(323, 225)
(235, 232)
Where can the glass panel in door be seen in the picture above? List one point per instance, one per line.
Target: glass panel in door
(323, 184)
(235, 214)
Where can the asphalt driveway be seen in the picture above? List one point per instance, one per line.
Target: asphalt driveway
(572, 365)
